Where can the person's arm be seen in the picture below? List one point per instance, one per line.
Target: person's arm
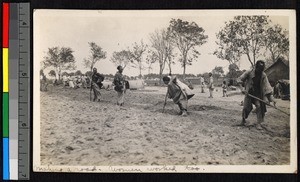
(271, 98)
(168, 93)
(242, 80)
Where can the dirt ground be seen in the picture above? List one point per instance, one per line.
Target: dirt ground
(76, 131)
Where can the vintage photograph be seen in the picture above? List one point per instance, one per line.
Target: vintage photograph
(165, 91)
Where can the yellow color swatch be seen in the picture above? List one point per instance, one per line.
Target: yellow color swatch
(5, 69)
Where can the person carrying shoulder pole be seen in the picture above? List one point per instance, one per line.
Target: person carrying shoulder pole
(256, 84)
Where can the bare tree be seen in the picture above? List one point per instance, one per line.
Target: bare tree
(162, 49)
(150, 59)
(136, 56)
(169, 50)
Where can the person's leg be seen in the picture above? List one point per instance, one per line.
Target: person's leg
(247, 107)
(95, 94)
(183, 106)
(259, 114)
(98, 95)
(118, 101)
(120, 98)
(210, 93)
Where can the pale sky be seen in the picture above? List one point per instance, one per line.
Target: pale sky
(117, 30)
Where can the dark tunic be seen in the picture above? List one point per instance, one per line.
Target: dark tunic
(97, 79)
(119, 82)
(257, 85)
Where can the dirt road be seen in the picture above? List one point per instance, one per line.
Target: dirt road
(75, 131)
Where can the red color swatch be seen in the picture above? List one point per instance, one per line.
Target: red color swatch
(5, 27)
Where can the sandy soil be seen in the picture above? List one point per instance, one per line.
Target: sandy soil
(76, 131)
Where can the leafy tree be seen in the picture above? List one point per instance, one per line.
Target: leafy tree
(233, 71)
(136, 56)
(227, 51)
(122, 58)
(60, 59)
(52, 73)
(78, 72)
(89, 73)
(277, 42)
(186, 36)
(218, 71)
(242, 36)
(96, 55)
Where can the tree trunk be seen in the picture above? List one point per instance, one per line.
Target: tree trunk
(250, 60)
(184, 65)
(169, 64)
(59, 73)
(140, 68)
(160, 77)
(56, 73)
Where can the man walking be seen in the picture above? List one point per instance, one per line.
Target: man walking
(179, 92)
(257, 85)
(119, 83)
(96, 84)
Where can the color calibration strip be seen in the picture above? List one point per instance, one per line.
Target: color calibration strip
(5, 96)
(16, 90)
(23, 54)
(13, 89)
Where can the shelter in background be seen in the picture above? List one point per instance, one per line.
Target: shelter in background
(136, 84)
(277, 71)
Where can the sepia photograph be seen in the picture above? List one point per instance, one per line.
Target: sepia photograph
(163, 91)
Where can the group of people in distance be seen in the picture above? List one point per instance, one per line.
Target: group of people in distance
(75, 81)
(255, 81)
(211, 87)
